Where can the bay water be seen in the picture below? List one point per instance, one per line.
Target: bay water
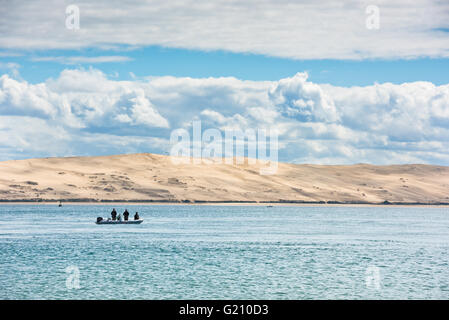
(224, 252)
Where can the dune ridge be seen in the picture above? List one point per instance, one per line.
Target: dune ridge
(148, 177)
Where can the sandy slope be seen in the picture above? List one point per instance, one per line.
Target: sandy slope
(155, 177)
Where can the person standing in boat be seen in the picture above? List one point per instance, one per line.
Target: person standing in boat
(136, 216)
(126, 215)
(113, 214)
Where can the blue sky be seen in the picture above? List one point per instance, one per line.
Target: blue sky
(337, 89)
(159, 61)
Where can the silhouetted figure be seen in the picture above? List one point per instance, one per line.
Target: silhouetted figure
(119, 218)
(99, 219)
(126, 215)
(114, 214)
(136, 216)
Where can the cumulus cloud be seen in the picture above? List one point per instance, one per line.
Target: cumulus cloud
(85, 112)
(303, 100)
(81, 102)
(21, 98)
(293, 29)
(143, 112)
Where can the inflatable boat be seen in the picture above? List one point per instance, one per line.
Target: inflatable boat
(119, 221)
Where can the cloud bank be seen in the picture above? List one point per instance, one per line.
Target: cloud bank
(293, 29)
(83, 112)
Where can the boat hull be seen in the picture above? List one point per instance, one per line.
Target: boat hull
(119, 222)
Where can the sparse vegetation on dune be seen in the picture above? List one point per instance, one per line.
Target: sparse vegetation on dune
(155, 178)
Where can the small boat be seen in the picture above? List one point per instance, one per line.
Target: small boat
(119, 221)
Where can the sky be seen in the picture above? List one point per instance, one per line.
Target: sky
(342, 83)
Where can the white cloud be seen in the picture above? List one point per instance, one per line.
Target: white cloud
(85, 112)
(70, 60)
(296, 97)
(214, 116)
(9, 54)
(21, 98)
(11, 67)
(29, 137)
(79, 98)
(294, 29)
(144, 113)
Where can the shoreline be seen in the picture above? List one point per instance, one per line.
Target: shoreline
(223, 203)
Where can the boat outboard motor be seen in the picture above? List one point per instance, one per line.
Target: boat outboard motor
(99, 219)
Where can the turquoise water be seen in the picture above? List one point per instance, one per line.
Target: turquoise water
(225, 252)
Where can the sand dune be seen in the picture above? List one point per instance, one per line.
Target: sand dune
(151, 177)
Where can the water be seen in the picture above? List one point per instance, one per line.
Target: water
(225, 252)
